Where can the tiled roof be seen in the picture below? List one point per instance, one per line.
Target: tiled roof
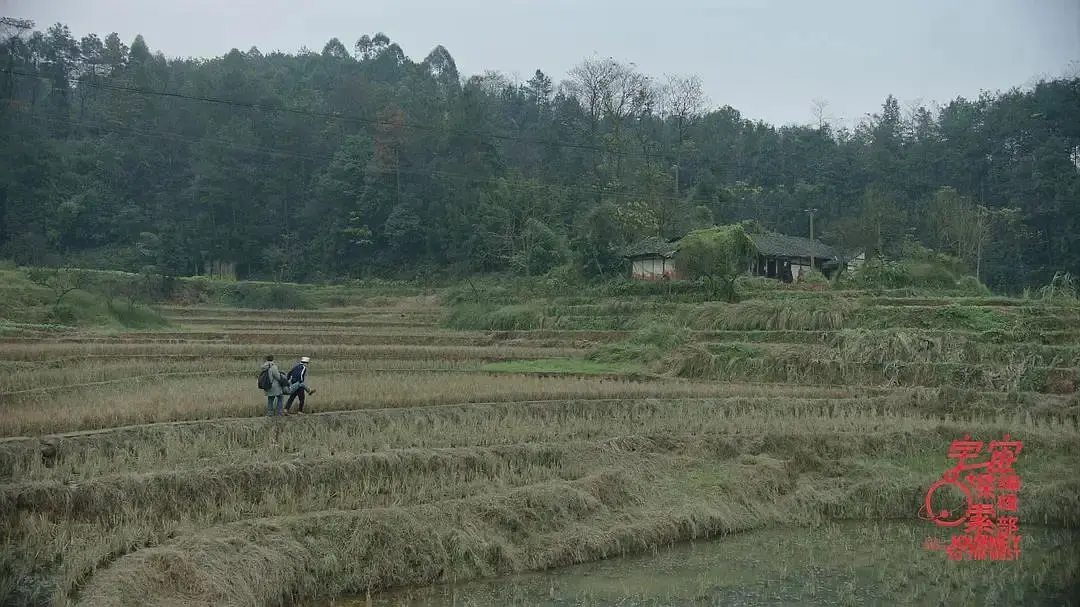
(651, 246)
(768, 243)
(850, 254)
(773, 244)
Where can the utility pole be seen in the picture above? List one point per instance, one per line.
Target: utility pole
(811, 212)
(675, 201)
(979, 236)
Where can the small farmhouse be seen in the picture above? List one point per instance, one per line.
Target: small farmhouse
(855, 260)
(776, 256)
(785, 257)
(652, 259)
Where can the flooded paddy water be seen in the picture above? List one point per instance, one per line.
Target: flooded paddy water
(835, 564)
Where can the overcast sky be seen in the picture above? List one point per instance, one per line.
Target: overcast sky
(767, 58)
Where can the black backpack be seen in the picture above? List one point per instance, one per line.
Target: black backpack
(264, 379)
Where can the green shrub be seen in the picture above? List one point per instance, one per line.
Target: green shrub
(486, 317)
(134, 316)
(756, 284)
(561, 279)
(662, 335)
(933, 274)
(63, 314)
(975, 318)
(929, 275)
(846, 279)
(648, 344)
(280, 296)
(811, 313)
(882, 274)
(1063, 287)
(126, 259)
(971, 286)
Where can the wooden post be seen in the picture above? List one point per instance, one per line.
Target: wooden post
(811, 212)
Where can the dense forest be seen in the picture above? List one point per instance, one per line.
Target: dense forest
(354, 162)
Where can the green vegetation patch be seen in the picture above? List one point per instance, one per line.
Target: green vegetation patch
(976, 318)
(744, 363)
(774, 315)
(537, 316)
(647, 345)
(52, 299)
(563, 365)
(483, 317)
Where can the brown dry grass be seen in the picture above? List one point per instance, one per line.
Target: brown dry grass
(157, 447)
(902, 345)
(175, 399)
(24, 379)
(406, 337)
(826, 314)
(374, 321)
(422, 303)
(1059, 337)
(283, 350)
(177, 489)
(630, 493)
(798, 366)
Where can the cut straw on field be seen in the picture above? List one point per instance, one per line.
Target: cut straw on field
(166, 446)
(346, 481)
(140, 468)
(548, 524)
(208, 398)
(24, 380)
(737, 362)
(423, 303)
(423, 337)
(285, 351)
(772, 316)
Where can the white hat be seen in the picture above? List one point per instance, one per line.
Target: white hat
(305, 359)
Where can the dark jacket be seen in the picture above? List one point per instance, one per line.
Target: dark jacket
(298, 374)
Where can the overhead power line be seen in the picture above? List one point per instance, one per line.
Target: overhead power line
(626, 195)
(586, 190)
(120, 129)
(337, 116)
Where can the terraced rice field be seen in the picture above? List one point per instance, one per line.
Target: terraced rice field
(140, 469)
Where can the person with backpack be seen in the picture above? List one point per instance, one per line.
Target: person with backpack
(297, 382)
(270, 381)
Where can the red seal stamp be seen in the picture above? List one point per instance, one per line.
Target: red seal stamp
(980, 497)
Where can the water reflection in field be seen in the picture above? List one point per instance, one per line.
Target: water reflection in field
(836, 564)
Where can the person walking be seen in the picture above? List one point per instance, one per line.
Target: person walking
(297, 380)
(271, 384)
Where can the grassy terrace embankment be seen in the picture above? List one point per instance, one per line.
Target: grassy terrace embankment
(452, 440)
